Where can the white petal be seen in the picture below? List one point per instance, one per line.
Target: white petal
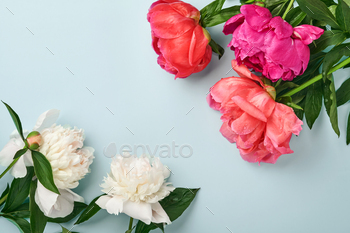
(45, 199)
(76, 197)
(8, 152)
(141, 211)
(102, 201)
(19, 170)
(114, 205)
(46, 119)
(159, 215)
(27, 157)
(64, 205)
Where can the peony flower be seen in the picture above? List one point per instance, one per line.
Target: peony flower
(134, 187)
(181, 43)
(260, 127)
(269, 44)
(70, 161)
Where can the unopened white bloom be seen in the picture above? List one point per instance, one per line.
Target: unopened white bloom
(134, 187)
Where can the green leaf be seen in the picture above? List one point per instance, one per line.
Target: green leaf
(274, 3)
(329, 2)
(212, 8)
(21, 212)
(330, 102)
(22, 224)
(221, 17)
(333, 8)
(328, 38)
(174, 205)
(333, 56)
(317, 9)
(348, 131)
(15, 119)
(216, 48)
(343, 93)
(299, 112)
(19, 191)
(78, 207)
(343, 15)
(65, 230)
(313, 103)
(4, 195)
(295, 16)
(90, 211)
(43, 171)
(37, 218)
(279, 10)
(20, 153)
(284, 86)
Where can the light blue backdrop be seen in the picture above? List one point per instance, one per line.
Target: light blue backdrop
(86, 56)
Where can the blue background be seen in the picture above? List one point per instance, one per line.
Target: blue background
(107, 47)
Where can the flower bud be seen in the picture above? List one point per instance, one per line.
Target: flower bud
(34, 140)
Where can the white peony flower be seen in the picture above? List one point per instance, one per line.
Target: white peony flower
(134, 187)
(70, 161)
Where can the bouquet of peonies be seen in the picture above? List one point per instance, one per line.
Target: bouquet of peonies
(292, 48)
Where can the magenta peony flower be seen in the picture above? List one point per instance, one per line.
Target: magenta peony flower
(260, 127)
(181, 43)
(269, 44)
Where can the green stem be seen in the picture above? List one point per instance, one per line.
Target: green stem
(316, 78)
(2, 200)
(9, 167)
(130, 223)
(288, 9)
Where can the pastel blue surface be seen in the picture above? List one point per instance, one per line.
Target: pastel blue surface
(93, 60)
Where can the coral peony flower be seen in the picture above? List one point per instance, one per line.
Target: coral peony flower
(134, 187)
(70, 162)
(260, 127)
(269, 44)
(181, 43)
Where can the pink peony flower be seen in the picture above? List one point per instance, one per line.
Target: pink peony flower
(270, 45)
(260, 127)
(181, 43)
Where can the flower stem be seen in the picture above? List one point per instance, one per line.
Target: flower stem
(2, 200)
(288, 9)
(316, 78)
(130, 223)
(9, 167)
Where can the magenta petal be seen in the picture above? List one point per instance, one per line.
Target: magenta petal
(256, 16)
(282, 28)
(231, 24)
(307, 33)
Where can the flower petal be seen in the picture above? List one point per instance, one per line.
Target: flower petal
(8, 152)
(45, 199)
(64, 204)
(231, 24)
(249, 108)
(46, 119)
(114, 205)
(159, 215)
(19, 170)
(307, 33)
(141, 211)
